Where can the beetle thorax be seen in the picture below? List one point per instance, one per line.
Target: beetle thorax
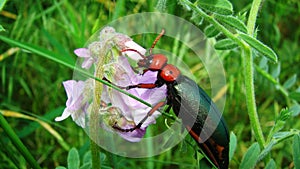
(170, 73)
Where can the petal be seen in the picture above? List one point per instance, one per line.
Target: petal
(82, 52)
(65, 115)
(134, 55)
(87, 63)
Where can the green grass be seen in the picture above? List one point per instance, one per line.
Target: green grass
(32, 85)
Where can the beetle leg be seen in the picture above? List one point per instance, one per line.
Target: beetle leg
(156, 107)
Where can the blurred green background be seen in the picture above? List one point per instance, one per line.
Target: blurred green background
(32, 85)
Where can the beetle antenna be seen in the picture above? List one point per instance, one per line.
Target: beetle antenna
(133, 50)
(156, 40)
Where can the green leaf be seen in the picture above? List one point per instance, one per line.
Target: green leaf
(271, 164)
(73, 159)
(266, 74)
(223, 7)
(251, 156)
(2, 4)
(232, 145)
(1, 28)
(210, 31)
(60, 167)
(260, 47)
(295, 95)
(295, 109)
(276, 71)
(296, 150)
(233, 22)
(225, 44)
(290, 82)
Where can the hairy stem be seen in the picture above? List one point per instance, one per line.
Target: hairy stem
(249, 78)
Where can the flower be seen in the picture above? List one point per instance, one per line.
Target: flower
(86, 54)
(117, 108)
(77, 103)
(131, 109)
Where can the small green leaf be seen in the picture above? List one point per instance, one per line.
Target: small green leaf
(73, 159)
(271, 164)
(290, 82)
(225, 44)
(210, 31)
(251, 156)
(2, 4)
(87, 158)
(233, 22)
(295, 95)
(295, 109)
(86, 166)
(223, 7)
(276, 71)
(197, 18)
(296, 150)
(1, 28)
(60, 167)
(260, 47)
(232, 145)
(265, 74)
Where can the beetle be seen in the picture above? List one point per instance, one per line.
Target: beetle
(189, 101)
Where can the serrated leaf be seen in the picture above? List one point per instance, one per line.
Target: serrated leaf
(211, 31)
(260, 47)
(225, 44)
(295, 95)
(290, 82)
(251, 156)
(232, 145)
(296, 150)
(222, 7)
(232, 21)
(73, 159)
(271, 165)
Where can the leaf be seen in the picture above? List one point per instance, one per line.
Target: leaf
(197, 18)
(251, 156)
(232, 145)
(296, 150)
(290, 82)
(222, 7)
(295, 95)
(60, 167)
(211, 31)
(276, 71)
(1, 28)
(233, 22)
(260, 47)
(73, 159)
(225, 44)
(271, 164)
(2, 4)
(295, 109)
(265, 74)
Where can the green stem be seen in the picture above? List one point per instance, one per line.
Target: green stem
(247, 60)
(18, 143)
(252, 16)
(250, 97)
(249, 82)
